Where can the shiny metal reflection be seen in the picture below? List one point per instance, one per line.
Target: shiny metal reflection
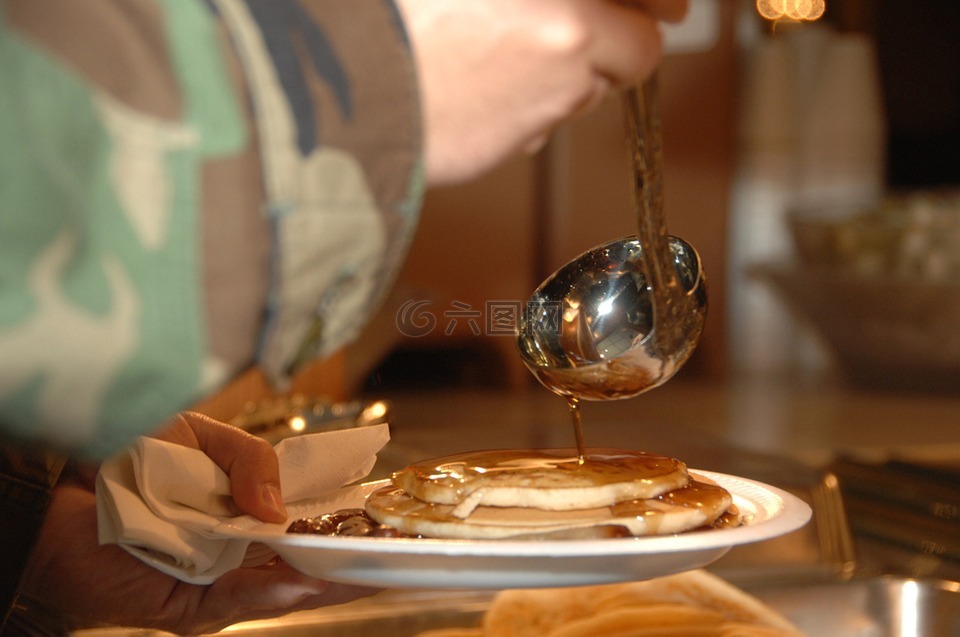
(589, 330)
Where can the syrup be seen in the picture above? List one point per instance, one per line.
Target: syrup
(713, 500)
(573, 403)
(601, 381)
(461, 474)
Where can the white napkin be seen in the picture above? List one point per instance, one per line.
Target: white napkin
(170, 505)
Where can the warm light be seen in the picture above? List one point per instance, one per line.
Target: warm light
(298, 423)
(377, 409)
(808, 10)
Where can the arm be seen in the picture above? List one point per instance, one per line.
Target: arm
(70, 575)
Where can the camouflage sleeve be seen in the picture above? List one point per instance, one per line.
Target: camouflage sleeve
(203, 185)
(334, 93)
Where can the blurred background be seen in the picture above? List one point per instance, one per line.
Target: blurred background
(810, 152)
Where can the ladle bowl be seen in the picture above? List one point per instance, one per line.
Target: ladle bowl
(589, 331)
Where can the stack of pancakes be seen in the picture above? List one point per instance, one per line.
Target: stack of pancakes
(691, 604)
(547, 494)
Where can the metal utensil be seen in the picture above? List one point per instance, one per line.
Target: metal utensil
(623, 317)
(590, 330)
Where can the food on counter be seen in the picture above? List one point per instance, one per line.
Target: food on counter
(537, 494)
(691, 604)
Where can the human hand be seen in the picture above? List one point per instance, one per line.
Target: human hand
(499, 75)
(71, 573)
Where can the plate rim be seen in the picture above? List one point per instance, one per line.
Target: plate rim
(793, 513)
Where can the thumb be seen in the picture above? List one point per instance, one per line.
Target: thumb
(250, 462)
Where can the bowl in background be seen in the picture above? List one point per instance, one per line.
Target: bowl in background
(910, 235)
(881, 287)
(884, 332)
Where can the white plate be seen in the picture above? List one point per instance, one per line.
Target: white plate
(496, 564)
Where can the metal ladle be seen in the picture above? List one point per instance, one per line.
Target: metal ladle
(623, 317)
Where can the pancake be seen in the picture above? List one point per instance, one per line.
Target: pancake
(546, 494)
(694, 505)
(548, 480)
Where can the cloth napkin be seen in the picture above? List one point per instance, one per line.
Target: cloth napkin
(170, 505)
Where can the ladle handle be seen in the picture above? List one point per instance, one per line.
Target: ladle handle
(642, 108)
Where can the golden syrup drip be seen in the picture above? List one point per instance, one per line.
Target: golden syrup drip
(577, 384)
(731, 518)
(573, 403)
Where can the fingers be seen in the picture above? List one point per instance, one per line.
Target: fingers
(250, 462)
(630, 45)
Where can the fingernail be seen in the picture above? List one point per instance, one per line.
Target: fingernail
(273, 499)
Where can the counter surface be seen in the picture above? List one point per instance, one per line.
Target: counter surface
(808, 421)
